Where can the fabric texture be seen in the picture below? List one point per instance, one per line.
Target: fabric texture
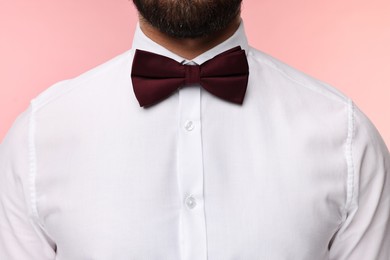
(297, 171)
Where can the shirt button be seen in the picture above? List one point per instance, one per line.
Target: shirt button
(189, 125)
(191, 202)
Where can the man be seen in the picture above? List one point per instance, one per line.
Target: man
(171, 151)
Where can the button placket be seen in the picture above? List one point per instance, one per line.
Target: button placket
(190, 175)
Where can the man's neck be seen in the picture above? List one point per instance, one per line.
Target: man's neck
(189, 48)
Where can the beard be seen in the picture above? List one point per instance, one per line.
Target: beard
(188, 18)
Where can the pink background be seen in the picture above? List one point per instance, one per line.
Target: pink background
(344, 43)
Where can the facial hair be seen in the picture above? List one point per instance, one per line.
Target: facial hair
(188, 18)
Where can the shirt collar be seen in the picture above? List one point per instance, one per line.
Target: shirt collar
(143, 42)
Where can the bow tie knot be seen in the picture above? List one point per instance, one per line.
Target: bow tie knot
(192, 74)
(155, 77)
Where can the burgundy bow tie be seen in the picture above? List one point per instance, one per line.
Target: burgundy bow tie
(155, 77)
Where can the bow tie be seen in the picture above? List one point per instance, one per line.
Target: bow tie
(155, 77)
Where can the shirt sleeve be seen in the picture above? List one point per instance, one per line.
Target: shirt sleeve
(21, 237)
(365, 231)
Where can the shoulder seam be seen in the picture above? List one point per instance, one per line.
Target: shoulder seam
(75, 81)
(32, 160)
(349, 158)
(41, 101)
(300, 83)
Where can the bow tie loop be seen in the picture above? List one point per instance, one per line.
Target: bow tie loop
(192, 74)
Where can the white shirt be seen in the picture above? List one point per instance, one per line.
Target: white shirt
(86, 173)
